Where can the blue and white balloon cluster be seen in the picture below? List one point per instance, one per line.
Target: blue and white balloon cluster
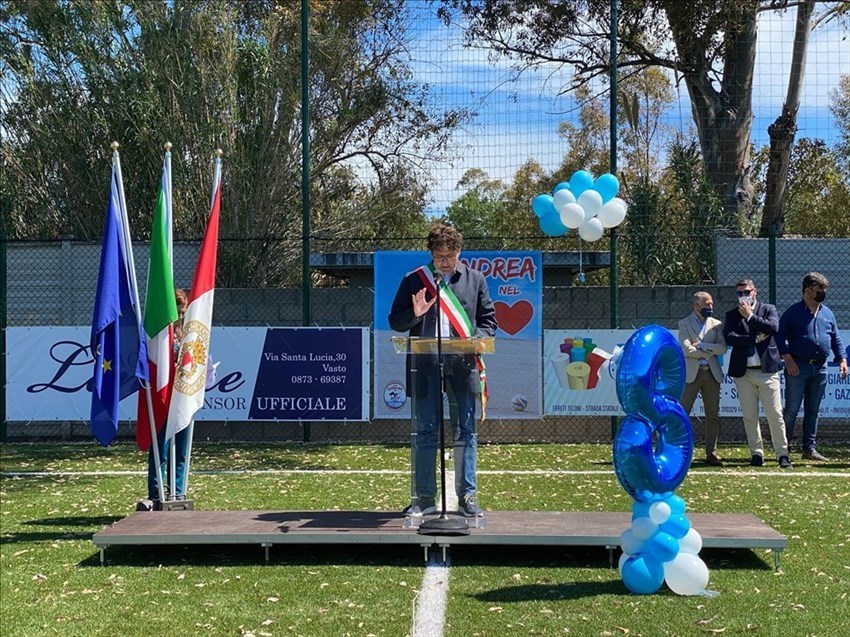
(582, 203)
(653, 449)
(661, 546)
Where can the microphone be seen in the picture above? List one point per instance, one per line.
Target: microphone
(438, 276)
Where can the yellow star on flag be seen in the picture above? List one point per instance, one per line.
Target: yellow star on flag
(107, 365)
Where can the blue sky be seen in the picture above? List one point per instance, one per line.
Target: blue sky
(519, 118)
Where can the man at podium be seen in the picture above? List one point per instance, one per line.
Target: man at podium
(465, 311)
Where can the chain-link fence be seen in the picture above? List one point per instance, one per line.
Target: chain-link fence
(452, 110)
(53, 284)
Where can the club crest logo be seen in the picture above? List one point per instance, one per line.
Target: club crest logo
(191, 372)
(394, 395)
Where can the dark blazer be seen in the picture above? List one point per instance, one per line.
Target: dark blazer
(470, 288)
(741, 335)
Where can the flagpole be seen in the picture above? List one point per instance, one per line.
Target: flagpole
(125, 231)
(172, 456)
(191, 434)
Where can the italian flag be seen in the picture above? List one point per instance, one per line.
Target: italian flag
(160, 315)
(191, 369)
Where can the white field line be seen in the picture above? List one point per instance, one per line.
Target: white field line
(429, 607)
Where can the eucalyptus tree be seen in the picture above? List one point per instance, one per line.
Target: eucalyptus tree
(709, 45)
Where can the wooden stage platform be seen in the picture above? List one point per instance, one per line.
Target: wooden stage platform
(513, 528)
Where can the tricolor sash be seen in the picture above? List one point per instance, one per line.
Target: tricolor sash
(451, 307)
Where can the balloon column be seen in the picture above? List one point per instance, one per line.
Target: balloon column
(582, 203)
(652, 452)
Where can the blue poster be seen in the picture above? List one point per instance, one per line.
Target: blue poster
(312, 374)
(515, 281)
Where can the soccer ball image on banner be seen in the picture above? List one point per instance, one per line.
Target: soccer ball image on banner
(519, 402)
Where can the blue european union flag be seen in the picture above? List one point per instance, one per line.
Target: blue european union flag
(117, 343)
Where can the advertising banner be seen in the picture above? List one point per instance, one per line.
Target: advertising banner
(579, 378)
(278, 374)
(513, 372)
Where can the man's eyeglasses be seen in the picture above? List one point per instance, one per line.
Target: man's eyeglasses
(741, 293)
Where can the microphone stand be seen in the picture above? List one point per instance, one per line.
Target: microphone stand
(443, 525)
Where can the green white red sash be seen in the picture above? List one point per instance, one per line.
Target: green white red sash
(451, 307)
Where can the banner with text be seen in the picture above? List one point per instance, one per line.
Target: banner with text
(579, 379)
(515, 281)
(277, 374)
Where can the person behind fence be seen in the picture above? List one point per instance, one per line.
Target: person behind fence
(465, 309)
(181, 439)
(808, 333)
(750, 328)
(701, 338)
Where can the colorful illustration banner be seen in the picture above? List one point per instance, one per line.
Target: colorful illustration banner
(579, 377)
(516, 287)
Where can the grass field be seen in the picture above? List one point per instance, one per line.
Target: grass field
(51, 582)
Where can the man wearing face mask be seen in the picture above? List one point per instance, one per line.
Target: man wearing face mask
(465, 310)
(750, 329)
(701, 338)
(807, 334)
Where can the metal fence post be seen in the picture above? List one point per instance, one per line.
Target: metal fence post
(771, 258)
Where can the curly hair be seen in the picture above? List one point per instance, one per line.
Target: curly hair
(442, 237)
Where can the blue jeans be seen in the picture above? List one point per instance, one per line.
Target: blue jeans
(807, 389)
(426, 440)
(181, 446)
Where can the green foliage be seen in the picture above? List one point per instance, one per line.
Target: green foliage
(218, 74)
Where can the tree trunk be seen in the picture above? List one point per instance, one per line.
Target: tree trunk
(723, 115)
(782, 131)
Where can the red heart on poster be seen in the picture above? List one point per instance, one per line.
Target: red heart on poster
(512, 318)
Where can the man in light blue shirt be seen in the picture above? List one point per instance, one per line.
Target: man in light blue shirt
(807, 334)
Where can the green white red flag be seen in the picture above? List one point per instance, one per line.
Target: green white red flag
(160, 315)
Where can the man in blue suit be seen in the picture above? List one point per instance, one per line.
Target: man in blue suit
(755, 364)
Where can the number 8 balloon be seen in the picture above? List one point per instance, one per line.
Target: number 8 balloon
(655, 443)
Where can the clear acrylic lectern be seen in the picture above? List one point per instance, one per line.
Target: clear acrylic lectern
(423, 389)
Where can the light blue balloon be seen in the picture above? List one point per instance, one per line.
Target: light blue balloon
(560, 186)
(608, 186)
(678, 526)
(550, 223)
(580, 181)
(642, 574)
(640, 509)
(542, 204)
(663, 547)
(677, 504)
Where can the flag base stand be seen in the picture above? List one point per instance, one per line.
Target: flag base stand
(176, 505)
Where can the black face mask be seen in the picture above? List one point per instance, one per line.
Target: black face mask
(706, 312)
(820, 296)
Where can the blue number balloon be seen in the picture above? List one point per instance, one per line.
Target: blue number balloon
(652, 452)
(654, 445)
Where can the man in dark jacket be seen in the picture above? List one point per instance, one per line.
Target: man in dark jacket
(808, 334)
(750, 329)
(465, 311)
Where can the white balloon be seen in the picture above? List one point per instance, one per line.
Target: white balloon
(572, 215)
(629, 543)
(659, 512)
(686, 574)
(562, 198)
(625, 556)
(643, 528)
(591, 230)
(591, 201)
(691, 543)
(612, 214)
